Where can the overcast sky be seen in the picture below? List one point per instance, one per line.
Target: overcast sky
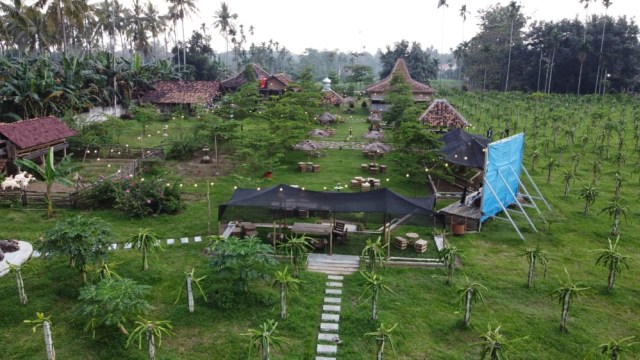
(351, 25)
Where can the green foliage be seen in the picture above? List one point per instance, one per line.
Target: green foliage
(238, 262)
(146, 327)
(613, 260)
(614, 348)
(264, 338)
(145, 241)
(382, 335)
(84, 240)
(375, 254)
(297, 247)
(138, 198)
(194, 280)
(112, 302)
(494, 344)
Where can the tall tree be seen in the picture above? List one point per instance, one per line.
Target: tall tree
(606, 4)
(224, 21)
(183, 9)
(584, 48)
(513, 9)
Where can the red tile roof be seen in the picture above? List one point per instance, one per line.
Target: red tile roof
(32, 132)
(182, 92)
(233, 83)
(441, 114)
(420, 91)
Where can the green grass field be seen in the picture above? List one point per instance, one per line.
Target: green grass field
(425, 308)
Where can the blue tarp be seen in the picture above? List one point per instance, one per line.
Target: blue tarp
(502, 171)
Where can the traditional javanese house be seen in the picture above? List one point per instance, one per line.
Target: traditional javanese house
(440, 115)
(167, 95)
(32, 138)
(267, 84)
(422, 93)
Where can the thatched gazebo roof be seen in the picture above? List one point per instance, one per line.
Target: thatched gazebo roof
(420, 91)
(326, 118)
(441, 114)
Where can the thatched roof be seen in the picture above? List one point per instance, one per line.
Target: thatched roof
(421, 92)
(331, 97)
(235, 82)
(182, 92)
(326, 118)
(33, 132)
(441, 114)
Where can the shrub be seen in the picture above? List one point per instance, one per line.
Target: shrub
(138, 197)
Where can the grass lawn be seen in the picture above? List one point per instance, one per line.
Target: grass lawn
(425, 308)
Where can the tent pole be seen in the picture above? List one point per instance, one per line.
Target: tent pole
(331, 225)
(385, 233)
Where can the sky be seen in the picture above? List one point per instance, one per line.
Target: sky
(369, 25)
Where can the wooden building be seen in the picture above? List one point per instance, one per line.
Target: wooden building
(421, 92)
(440, 115)
(32, 138)
(167, 95)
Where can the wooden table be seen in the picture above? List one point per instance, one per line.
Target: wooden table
(412, 237)
(311, 229)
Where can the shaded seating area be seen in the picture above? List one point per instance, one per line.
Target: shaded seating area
(339, 232)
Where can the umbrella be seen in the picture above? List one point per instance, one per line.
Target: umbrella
(307, 145)
(374, 135)
(377, 147)
(319, 133)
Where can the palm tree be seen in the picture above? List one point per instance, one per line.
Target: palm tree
(145, 241)
(224, 21)
(374, 252)
(535, 255)
(584, 47)
(61, 13)
(494, 344)
(612, 259)
(151, 329)
(374, 284)
(565, 294)
(513, 9)
(264, 338)
(183, 9)
(448, 256)
(616, 210)
(383, 334)
(470, 293)
(286, 282)
(49, 174)
(614, 348)
(589, 193)
(297, 247)
(606, 4)
(45, 322)
(442, 4)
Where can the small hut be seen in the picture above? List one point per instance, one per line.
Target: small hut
(167, 95)
(326, 118)
(441, 115)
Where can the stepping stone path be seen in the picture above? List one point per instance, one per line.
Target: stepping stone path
(328, 337)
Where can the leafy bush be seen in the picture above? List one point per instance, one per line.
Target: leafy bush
(138, 197)
(183, 149)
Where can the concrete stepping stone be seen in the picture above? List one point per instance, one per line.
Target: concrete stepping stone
(170, 241)
(128, 246)
(336, 277)
(113, 247)
(331, 308)
(328, 337)
(326, 349)
(325, 358)
(331, 317)
(184, 240)
(334, 284)
(329, 327)
(333, 292)
(197, 239)
(332, 300)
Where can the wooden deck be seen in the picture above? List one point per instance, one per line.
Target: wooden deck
(457, 213)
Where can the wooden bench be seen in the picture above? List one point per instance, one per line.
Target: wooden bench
(339, 232)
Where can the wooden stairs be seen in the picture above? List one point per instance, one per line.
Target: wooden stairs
(333, 264)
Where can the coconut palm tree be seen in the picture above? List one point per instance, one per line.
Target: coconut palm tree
(374, 252)
(565, 293)
(183, 9)
(589, 193)
(264, 338)
(373, 284)
(568, 177)
(145, 241)
(286, 282)
(297, 247)
(49, 174)
(45, 322)
(224, 21)
(470, 292)
(614, 348)
(616, 211)
(494, 344)
(613, 260)
(383, 334)
(606, 4)
(584, 47)
(448, 257)
(535, 255)
(513, 9)
(152, 329)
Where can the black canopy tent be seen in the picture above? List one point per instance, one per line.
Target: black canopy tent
(462, 148)
(281, 197)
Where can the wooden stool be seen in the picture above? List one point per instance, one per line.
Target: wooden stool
(315, 168)
(364, 167)
(420, 246)
(383, 168)
(365, 186)
(400, 242)
(302, 167)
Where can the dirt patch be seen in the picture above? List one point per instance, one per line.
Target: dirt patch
(194, 169)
